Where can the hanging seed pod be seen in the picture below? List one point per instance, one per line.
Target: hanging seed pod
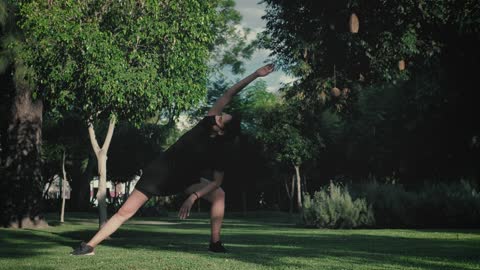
(345, 92)
(335, 92)
(353, 23)
(401, 65)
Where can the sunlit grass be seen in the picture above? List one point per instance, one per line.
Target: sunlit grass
(267, 241)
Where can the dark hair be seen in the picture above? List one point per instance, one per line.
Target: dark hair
(233, 128)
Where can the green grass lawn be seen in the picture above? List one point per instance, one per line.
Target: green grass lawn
(266, 241)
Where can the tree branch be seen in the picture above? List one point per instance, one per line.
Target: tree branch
(93, 139)
(108, 138)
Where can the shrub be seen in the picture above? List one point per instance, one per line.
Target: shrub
(392, 205)
(448, 205)
(433, 205)
(333, 207)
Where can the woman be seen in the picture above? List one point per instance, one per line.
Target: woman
(179, 169)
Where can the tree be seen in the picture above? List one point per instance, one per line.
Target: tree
(21, 135)
(311, 38)
(413, 60)
(118, 60)
(284, 141)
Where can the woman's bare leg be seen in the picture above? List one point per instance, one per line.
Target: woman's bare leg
(217, 210)
(128, 209)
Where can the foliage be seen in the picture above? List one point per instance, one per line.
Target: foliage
(231, 45)
(333, 207)
(393, 206)
(282, 138)
(452, 205)
(395, 121)
(129, 59)
(61, 135)
(433, 205)
(134, 147)
(311, 37)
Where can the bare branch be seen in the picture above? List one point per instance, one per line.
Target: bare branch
(93, 139)
(108, 138)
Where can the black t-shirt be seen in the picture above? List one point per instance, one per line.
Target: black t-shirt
(197, 151)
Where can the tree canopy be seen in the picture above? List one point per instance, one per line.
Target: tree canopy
(124, 58)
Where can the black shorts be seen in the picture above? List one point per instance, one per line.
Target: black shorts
(159, 180)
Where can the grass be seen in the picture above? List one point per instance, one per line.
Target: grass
(267, 241)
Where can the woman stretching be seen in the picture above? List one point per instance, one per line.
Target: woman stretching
(204, 147)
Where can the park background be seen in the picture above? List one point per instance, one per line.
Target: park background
(369, 122)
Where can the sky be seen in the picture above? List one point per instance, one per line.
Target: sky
(252, 12)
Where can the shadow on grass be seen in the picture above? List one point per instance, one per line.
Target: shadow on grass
(265, 246)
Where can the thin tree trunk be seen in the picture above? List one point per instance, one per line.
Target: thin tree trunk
(299, 189)
(101, 154)
(290, 193)
(64, 180)
(49, 185)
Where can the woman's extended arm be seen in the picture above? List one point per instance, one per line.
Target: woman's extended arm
(216, 183)
(223, 101)
(187, 205)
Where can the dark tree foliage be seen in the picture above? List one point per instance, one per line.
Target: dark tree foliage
(413, 123)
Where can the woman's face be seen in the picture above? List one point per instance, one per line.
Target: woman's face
(220, 121)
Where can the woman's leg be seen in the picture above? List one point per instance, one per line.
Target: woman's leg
(217, 211)
(128, 209)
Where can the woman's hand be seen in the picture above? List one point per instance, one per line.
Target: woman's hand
(265, 70)
(186, 206)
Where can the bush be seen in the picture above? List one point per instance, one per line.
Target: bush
(393, 206)
(433, 205)
(390, 205)
(448, 205)
(333, 207)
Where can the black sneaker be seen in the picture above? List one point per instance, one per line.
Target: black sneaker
(83, 250)
(217, 247)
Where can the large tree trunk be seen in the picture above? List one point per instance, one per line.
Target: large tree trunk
(7, 95)
(299, 189)
(101, 154)
(23, 185)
